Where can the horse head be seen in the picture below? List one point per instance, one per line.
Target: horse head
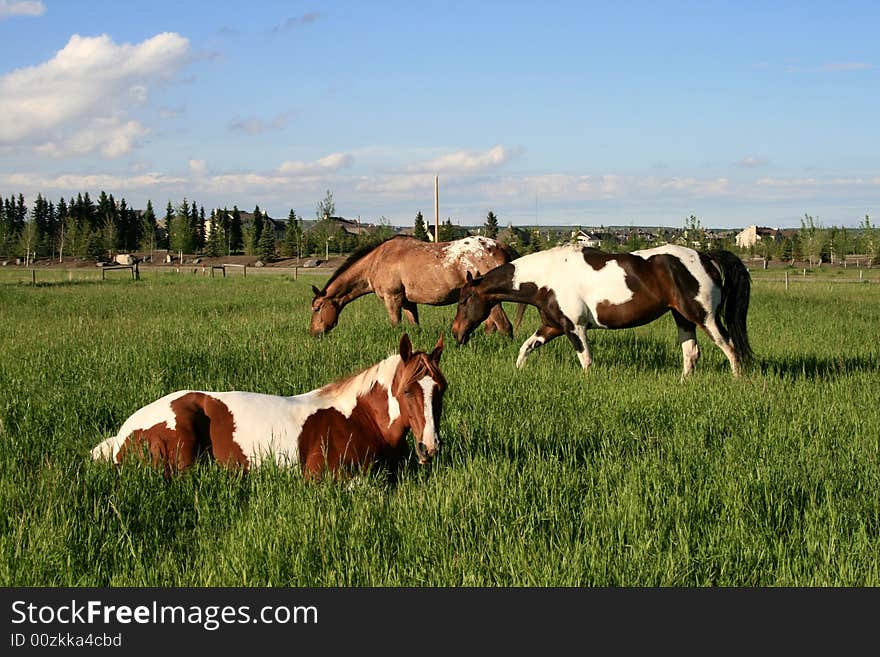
(325, 313)
(419, 387)
(473, 309)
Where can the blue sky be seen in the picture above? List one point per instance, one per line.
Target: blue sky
(552, 113)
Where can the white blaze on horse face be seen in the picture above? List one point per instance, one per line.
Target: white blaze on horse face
(429, 434)
(579, 288)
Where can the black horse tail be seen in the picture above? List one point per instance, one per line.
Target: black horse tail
(736, 288)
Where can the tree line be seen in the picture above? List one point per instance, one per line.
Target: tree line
(79, 227)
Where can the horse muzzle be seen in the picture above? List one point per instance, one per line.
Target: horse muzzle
(461, 335)
(425, 453)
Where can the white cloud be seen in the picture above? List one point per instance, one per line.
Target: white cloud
(604, 187)
(326, 164)
(91, 79)
(21, 8)
(297, 21)
(465, 161)
(752, 161)
(73, 183)
(198, 167)
(256, 126)
(830, 67)
(112, 137)
(396, 184)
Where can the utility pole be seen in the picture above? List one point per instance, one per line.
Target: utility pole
(436, 209)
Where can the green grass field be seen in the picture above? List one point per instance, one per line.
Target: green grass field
(547, 476)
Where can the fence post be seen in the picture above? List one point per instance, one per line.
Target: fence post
(33, 276)
(245, 271)
(295, 273)
(805, 272)
(786, 281)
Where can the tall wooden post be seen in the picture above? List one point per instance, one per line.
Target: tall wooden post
(436, 209)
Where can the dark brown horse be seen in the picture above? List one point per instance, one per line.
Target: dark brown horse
(348, 424)
(576, 288)
(404, 272)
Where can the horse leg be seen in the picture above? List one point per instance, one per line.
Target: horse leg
(710, 326)
(410, 311)
(393, 304)
(498, 321)
(542, 336)
(687, 338)
(578, 339)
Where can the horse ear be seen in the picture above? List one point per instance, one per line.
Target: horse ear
(438, 349)
(316, 291)
(405, 347)
(470, 279)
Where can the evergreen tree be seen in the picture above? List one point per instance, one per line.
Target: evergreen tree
(61, 217)
(194, 227)
(292, 244)
(225, 223)
(249, 239)
(169, 220)
(201, 235)
(447, 232)
(258, 223)
(491, 226)
(236, 237)
(148, 232)
(215, 241)
(182, 237)
(40, 218)
(420, 232)
(266, 241)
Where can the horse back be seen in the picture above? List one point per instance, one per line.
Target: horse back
(433, 274)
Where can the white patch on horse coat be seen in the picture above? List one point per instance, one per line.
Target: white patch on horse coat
(150, 415)
(429, 435)
(579, 288)
(467, 254)
(266, 424)
(708, 294)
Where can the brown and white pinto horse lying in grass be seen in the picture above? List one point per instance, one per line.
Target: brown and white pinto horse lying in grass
(348, 424)
(404, 272)
(577, 288)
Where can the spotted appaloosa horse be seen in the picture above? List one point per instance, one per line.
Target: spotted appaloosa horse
(348, 424)
(404, 272)
(577, 288)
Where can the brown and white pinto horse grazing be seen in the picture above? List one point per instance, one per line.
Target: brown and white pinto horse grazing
(404, 272)
(348, 424)
(577, 288)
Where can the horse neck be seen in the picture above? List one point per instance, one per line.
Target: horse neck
(367, 399)
(352, 283)
(497, 286)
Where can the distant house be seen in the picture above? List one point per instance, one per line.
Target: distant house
(750, 236)
(586, 239)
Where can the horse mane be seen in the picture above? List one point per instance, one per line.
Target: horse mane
(509, 251)
(348, 389)
(356, 255)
